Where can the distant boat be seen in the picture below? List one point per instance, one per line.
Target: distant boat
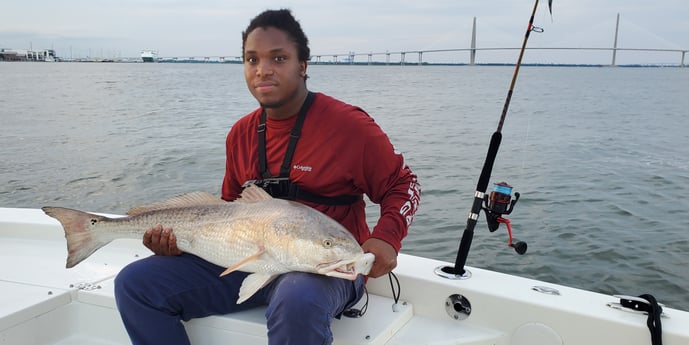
(149, 55)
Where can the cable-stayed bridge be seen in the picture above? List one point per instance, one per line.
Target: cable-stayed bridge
(468, 56)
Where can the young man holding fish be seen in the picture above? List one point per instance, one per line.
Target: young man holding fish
(298, 145)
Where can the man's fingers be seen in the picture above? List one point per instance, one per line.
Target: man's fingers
(171, 240)
(161, 241)
(153, 238)
(386, 256)
(381, 268)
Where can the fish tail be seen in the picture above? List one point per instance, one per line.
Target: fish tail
(79, 227)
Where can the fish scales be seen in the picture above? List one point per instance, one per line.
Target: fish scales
(256, 234)
(204, 230)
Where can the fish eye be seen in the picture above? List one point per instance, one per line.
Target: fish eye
(327, 243)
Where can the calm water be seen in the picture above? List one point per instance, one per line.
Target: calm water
(599, 155)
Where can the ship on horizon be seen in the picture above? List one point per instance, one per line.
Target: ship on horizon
(149, 55)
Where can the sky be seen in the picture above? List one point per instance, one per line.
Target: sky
(188, 28)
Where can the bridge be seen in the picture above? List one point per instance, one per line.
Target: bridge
(350, 57)
(400, 57)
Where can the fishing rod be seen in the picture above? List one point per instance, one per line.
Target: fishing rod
(500, 201)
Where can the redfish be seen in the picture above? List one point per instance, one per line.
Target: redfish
(256, 233)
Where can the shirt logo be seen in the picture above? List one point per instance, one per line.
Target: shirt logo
(302, 168)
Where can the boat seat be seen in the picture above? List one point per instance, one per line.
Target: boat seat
(376, 326)
(89, 316)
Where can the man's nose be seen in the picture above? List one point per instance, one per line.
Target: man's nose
(264, 68)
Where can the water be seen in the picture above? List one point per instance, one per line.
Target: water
(599, 155)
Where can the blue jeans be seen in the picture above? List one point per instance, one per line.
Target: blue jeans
(155, 293)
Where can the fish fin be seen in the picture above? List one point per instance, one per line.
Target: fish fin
(79, 232)
(184, 200)
(252, 283)
(238, 265)
(253, 193)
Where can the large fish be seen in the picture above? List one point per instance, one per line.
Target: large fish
(256, 233)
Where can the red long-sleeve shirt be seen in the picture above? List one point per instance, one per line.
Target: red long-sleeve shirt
(341, 151)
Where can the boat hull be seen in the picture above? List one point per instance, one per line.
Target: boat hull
(76, 306)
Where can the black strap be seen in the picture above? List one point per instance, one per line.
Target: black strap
(297, 193)
(262, 165)
(281, 186)
(295, 134)
(293, 138)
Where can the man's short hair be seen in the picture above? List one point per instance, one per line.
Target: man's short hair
(282, 20)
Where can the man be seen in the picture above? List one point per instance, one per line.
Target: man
(297, 145)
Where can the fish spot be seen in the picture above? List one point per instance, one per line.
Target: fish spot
(94, 221)
(327, 243)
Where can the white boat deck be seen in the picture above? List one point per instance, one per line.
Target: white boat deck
(77, 305)
(43, 303)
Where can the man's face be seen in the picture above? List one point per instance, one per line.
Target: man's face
(272, 68)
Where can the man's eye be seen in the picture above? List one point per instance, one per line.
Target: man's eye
(251, 60)
(280, 58)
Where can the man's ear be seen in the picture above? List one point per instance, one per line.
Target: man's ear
(303, 68)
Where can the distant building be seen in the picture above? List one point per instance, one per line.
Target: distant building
(7, 54)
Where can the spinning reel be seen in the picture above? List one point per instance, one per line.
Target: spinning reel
(496, 204)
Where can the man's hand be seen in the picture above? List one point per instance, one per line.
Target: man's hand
(386, 256)
(161, 241)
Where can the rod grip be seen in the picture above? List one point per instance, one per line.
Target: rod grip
(468, 234)
(483, 180)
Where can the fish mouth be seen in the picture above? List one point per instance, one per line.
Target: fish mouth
(348, 269)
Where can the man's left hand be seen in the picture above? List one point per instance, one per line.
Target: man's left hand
(386, 256)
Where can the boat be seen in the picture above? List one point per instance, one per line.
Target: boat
(149, 55)
(44, 303)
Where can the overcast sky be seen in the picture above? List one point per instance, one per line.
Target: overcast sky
(122, 28)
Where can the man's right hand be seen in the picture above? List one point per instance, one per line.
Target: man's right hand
(161, 241)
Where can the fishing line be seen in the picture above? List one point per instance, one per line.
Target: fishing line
(524, 149)
(520, 175)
